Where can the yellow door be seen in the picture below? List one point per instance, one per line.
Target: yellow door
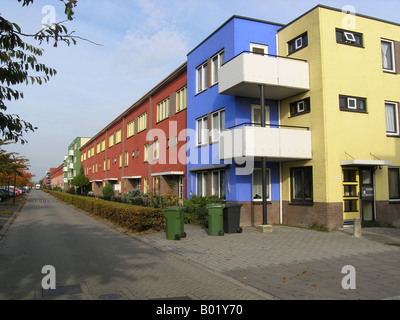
(351, 199)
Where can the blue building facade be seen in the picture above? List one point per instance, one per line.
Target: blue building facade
(210, 113)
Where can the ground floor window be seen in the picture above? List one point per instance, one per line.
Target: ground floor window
(302, 185)
(211, 183)
(257, 184)
(394, 183)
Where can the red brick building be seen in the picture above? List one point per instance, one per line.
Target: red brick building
(139, 149)
(57, 176)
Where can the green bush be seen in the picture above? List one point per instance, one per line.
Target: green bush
(108, 191)
(196, 209)
(131, 217)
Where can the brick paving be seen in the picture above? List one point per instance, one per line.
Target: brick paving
(295, 263)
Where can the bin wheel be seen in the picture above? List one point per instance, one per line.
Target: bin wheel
(240, 230)
(177, 237)
(183, 234)
(221, 233)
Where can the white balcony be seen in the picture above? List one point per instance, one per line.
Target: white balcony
(281, 77)
(71, 152)
(65, 169)
(276, 144)
(71, 166)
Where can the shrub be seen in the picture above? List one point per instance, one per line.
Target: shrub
(196, 209)
(131, 217)
(108, 191)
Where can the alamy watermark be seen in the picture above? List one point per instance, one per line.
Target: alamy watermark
(50, 18)
(349, 280)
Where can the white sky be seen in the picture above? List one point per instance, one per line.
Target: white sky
(95, 84)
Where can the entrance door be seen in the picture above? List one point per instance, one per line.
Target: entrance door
(351, 198)
(367, 194)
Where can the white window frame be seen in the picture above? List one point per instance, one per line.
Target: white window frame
(298, 44)
(267, 115)
(258, 46)
(216, 189)
(268, 185)
(301, 106)
(202, 78)
(203, 175)
(142, 122)
(181, 99)
(219, 60)
(396, 118)
(349, 36)
(393, 70)
(349, 105)
(202, 131)
(163, 110)
(216, 130)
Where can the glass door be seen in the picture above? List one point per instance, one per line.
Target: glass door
(351, 199)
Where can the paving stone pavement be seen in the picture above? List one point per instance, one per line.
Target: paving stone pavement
(295, 263)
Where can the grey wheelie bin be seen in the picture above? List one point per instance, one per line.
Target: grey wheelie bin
(232, 218)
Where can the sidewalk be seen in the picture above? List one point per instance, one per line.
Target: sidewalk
(295, 263)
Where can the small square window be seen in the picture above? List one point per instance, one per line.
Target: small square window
(299, 43)
(300, 106)
(352, 103)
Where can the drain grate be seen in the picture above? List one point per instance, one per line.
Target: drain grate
(62, 291)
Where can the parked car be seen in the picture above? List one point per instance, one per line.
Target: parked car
(3, 195)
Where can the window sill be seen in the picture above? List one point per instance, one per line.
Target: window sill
(394, 201)
(354, 111)
(259, 202)
(305, 204)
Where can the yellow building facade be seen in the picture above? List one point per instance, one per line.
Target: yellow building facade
(352, 111)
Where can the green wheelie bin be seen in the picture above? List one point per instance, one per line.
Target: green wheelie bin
(175, 224)
(215, 219)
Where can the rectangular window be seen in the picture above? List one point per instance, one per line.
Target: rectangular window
(394, 183)
(257, 184)
(145, 185)
(98, 148)
(218, 183)
(300, 107)
(156, 150)
(108, 164)
(181, 99)
(142, 122)
(302, 185)
(130, 129)
(256, 48)
(256, 115)
(218, 124)
(146, 152)
(163, 110)
(298, 43)
(156, 185)
(126, 158)
(120, 160)
(118, 136)
(202, 78)
(217, 61)
(349, 38)
(202, 184)
(354, 104)
(111, 141)
(202, 131)
(388, 57)
(392, 119)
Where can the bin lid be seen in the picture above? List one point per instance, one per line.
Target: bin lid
(230, 205)
(215, 205)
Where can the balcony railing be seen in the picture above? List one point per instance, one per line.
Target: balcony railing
(282, 77)
(275, 142)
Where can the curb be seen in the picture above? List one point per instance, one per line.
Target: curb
(11, 219)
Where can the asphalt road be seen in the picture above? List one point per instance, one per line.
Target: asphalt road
(93, 261)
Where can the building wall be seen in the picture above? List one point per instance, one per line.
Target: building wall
(338, 69)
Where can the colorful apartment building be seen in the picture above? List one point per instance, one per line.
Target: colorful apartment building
(298, 123)
(329, 83)
(57, 177)
(139, 150)
(72, 161)
(352, 112)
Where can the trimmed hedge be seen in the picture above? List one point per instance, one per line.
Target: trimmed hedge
(131, 217)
